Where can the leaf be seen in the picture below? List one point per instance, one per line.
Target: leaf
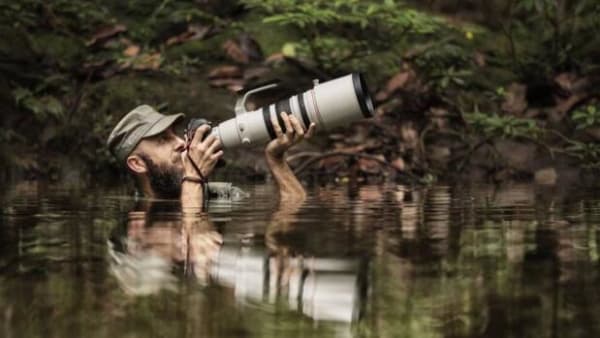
(20, 94)
(371, 9)
(289, 49)
(105, 33)
(53, 106)
(147, 61)
(132, 51)
(35, 106)
(225, 72)
(235, 52)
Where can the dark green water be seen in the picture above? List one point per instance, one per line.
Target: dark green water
(511, 261)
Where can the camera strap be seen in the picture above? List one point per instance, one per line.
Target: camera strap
(202, 181)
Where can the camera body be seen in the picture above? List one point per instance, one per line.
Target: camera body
(191, 127)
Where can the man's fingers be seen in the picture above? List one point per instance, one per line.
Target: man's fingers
(199, 133)
(184, 157)
(209, 139)
(214, 146)
(289, 130)
(297, 126)
(311, 130)
(216, 155)
(276, 126)
(208, 146)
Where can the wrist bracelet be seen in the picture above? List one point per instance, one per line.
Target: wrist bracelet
(193, 179)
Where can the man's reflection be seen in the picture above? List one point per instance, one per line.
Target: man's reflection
(154, 244)
(154, 248)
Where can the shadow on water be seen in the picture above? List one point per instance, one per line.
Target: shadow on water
(377, 261)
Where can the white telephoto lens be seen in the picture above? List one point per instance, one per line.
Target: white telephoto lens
(330, 104)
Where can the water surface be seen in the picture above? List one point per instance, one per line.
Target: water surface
(375, 261)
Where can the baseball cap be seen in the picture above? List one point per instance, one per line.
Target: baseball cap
(142, 122)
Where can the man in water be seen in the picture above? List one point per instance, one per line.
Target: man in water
(166, 167)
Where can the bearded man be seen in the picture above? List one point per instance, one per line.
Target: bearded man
(166, 167)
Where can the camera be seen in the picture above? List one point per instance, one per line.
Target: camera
(329, 104)
(191, 127)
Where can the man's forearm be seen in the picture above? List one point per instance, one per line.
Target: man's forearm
(192, 196)
(287, 182)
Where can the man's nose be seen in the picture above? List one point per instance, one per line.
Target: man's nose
(180, 144)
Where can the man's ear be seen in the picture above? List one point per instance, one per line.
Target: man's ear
(136, 164)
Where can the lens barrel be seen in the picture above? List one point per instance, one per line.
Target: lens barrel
(329, 104)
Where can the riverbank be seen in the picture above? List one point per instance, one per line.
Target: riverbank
(458, 97)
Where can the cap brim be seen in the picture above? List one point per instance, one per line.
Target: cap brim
(163, 124)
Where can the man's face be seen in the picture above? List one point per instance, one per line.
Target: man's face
(162, 155)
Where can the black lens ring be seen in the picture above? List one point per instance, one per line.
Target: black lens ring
(279, 119)
(303, 112)
(268, 123)
(362, 94)
(283, 106)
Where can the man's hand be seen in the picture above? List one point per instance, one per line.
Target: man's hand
(290, 189)
(205, 154)
(294, 133)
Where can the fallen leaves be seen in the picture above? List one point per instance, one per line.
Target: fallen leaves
(515, 99)
(397, 82)
(227, 76)
(409, 135)
(370, 166)
(105, 33)
(132, 51)
(148, 61)
(193, 32)
(226, 71)
(399, 164)
(244, 49)
(546, 176)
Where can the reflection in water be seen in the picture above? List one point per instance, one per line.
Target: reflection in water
(482, 261)
(153, 245)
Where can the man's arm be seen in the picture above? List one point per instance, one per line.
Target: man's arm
(199, 160)
(289, 187)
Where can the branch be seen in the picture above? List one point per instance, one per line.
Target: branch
(320, 156)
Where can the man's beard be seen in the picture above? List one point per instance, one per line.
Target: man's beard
(165, 181)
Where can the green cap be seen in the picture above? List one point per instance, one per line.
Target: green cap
(144, 121)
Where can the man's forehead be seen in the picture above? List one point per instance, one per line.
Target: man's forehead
(168, 131)
(150, 142)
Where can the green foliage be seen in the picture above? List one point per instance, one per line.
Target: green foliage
(587, 153)
(54, 72)
(445, 64)
(42, 107)
(335, 33)
(182, 66)
(160, 15)
(64, 15)
(586, 117)
(502, 126)
(549, 35)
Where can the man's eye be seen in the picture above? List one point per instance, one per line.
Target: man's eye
(163, 138)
